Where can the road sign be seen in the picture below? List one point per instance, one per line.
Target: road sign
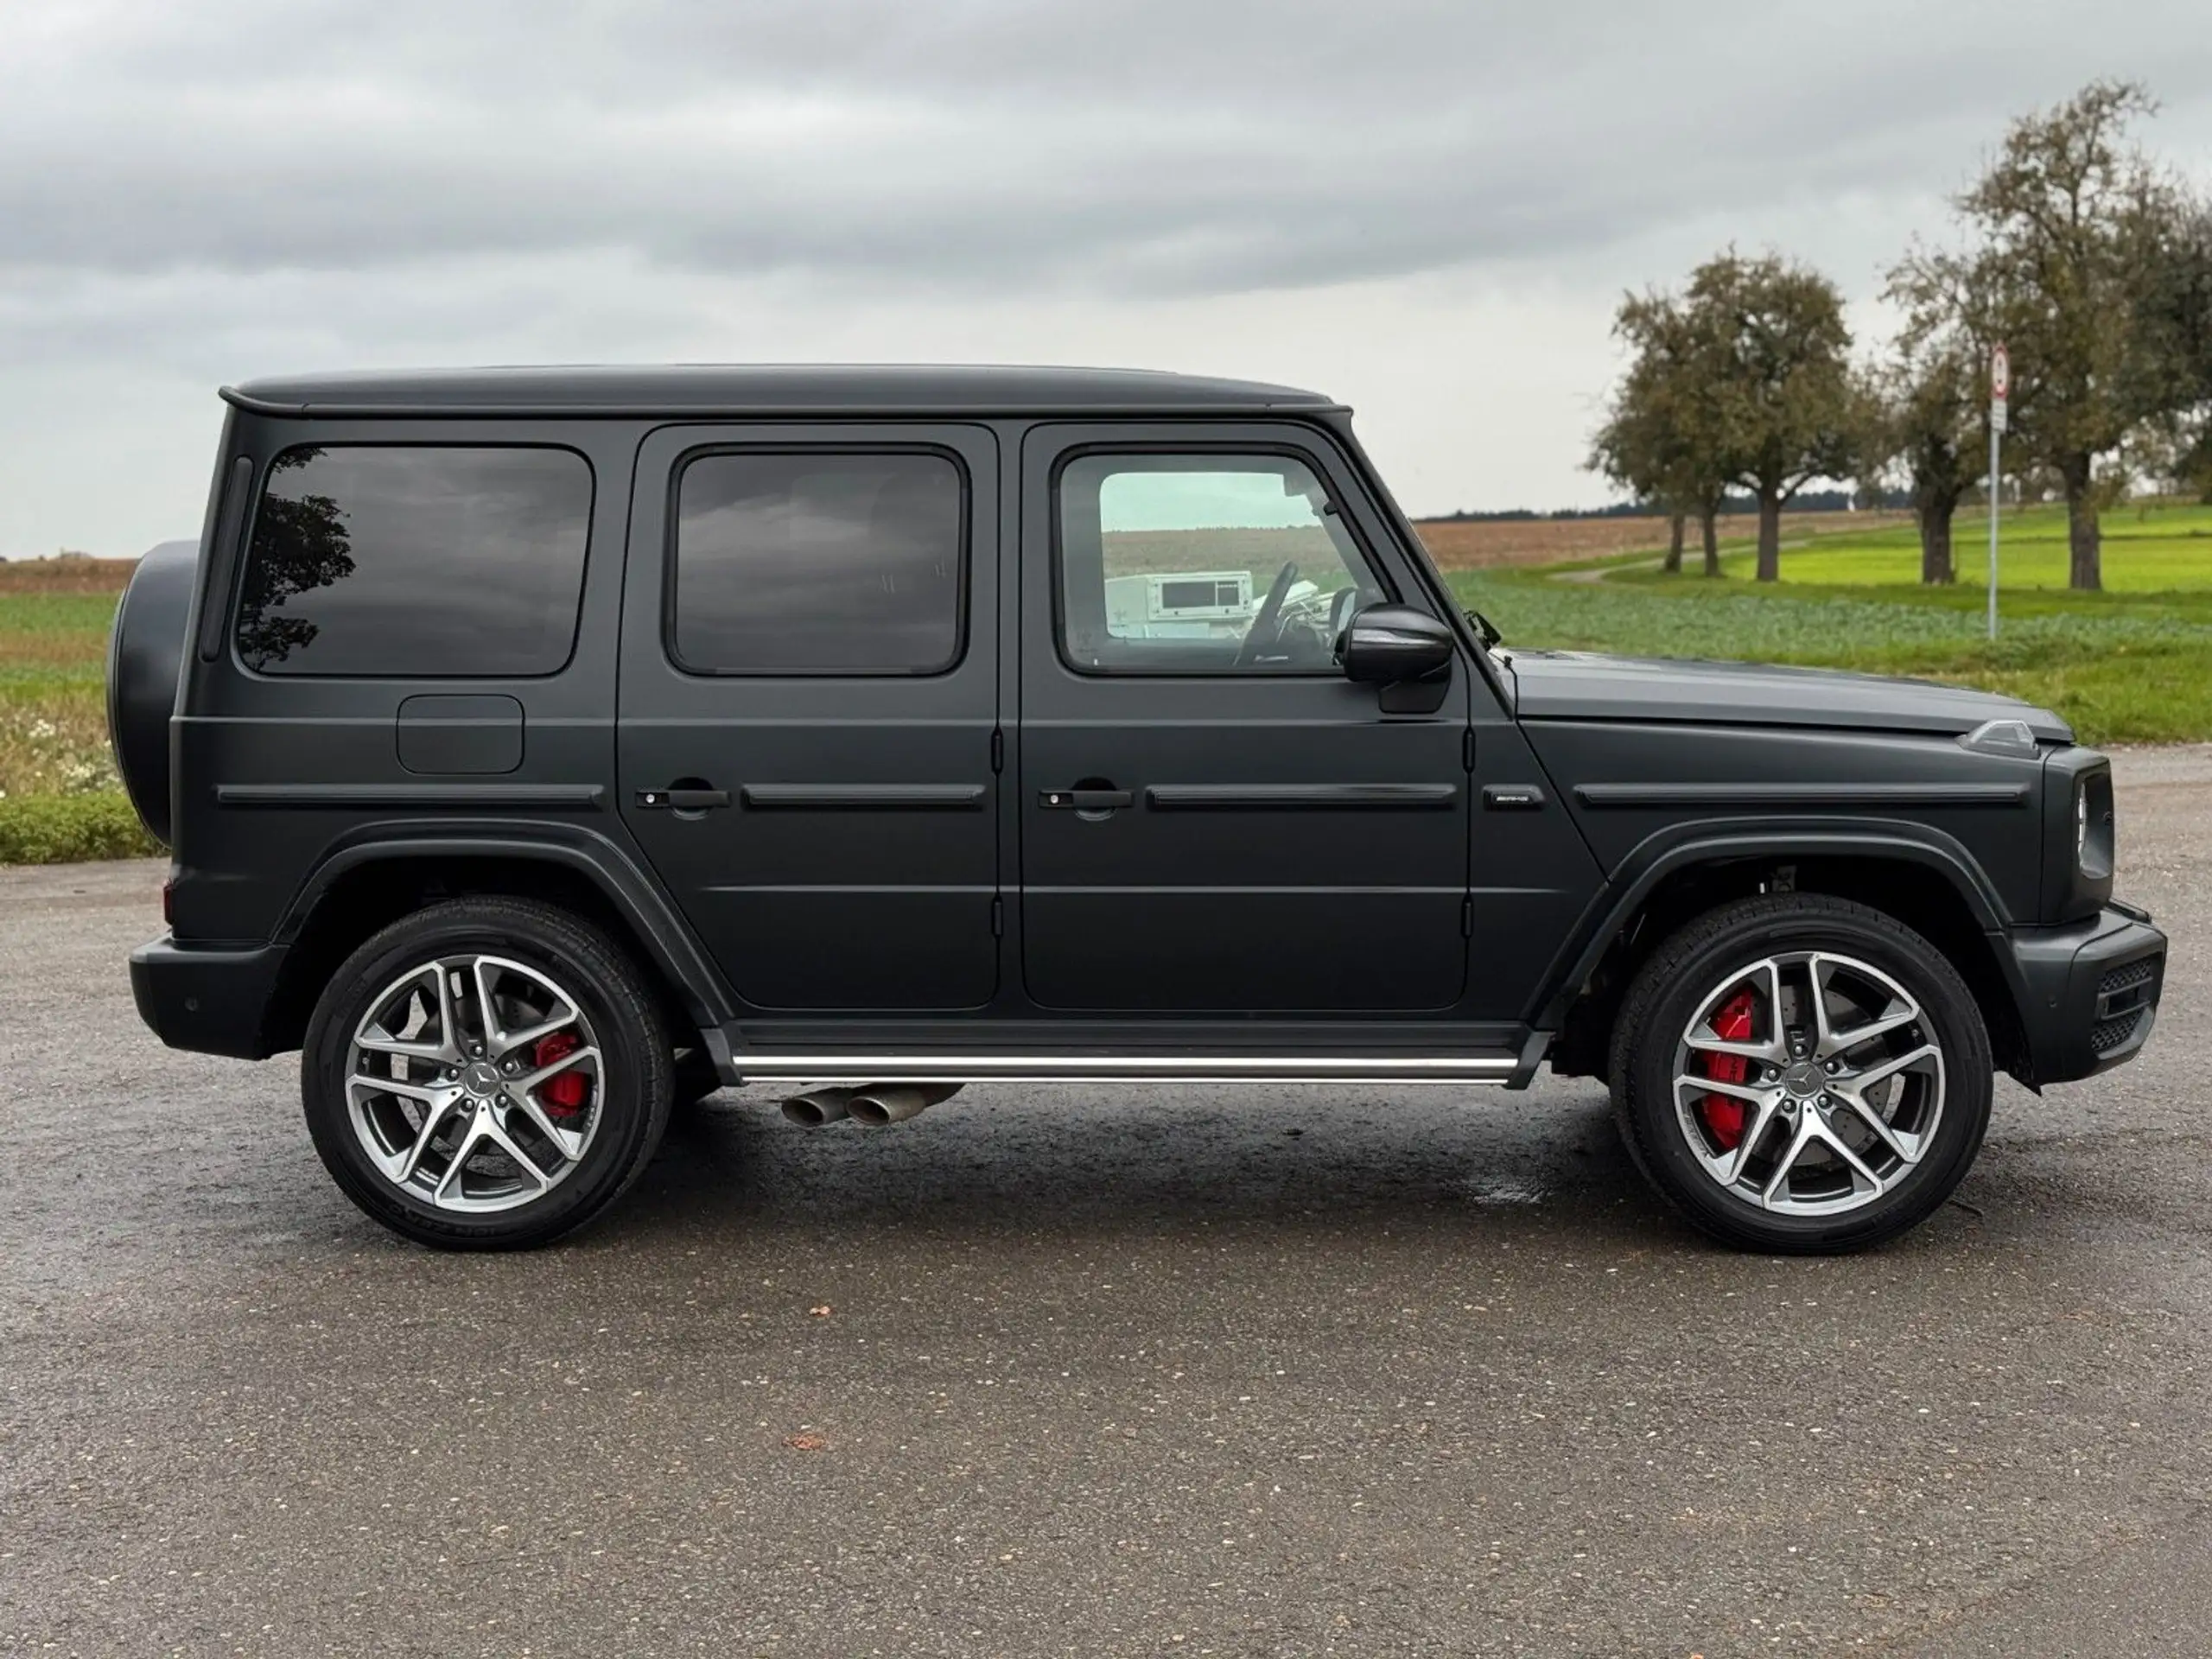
(2001, 388)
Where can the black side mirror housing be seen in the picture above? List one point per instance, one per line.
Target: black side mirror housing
(1389, 644)
(1406, 652)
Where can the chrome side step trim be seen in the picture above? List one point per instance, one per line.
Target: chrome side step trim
(1122, 1068)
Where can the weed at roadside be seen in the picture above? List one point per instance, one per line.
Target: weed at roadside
(64, 829)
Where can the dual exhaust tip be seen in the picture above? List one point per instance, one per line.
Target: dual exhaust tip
(873, 1104)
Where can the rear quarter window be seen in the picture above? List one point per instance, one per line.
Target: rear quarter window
(415, 562)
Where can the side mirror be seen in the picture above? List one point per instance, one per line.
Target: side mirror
(1391, 644)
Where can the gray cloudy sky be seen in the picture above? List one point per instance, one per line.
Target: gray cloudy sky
(1428, 210)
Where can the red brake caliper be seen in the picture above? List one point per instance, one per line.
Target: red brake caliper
(1723, 1114)
(563, 1095)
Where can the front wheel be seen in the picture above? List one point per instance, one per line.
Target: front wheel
(486, 1074)
(1801, 1074)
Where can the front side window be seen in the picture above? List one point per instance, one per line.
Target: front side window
(819, 564)
(415, 562)
(1203, 563)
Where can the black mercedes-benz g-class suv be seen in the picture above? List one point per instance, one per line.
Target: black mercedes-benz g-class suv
(541, 747)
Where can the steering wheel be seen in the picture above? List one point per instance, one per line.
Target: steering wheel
(1264, 620)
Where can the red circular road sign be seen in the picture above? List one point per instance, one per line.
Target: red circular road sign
(2000, 372)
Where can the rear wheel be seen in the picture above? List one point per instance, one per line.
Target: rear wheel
(486, 1074)
(1798, 1073)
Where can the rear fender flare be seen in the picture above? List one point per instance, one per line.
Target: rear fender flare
(663, 934)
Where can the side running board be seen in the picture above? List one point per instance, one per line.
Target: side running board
(835, 1067)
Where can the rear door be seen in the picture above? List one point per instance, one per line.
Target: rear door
(1214, 821)
(809, 704)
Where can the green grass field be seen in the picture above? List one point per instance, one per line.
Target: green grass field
(2155, 548)
(2131, 664)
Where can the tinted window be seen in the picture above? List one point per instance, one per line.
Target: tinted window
(388, 562)
(1204, 563)
(818, 564)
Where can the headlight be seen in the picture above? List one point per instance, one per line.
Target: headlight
(2077, 839)
(2093, 826)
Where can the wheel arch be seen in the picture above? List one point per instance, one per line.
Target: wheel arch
(1935, 889)
(368, 883)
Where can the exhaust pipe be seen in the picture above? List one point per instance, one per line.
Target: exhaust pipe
(818, 1106)
(894, 1102)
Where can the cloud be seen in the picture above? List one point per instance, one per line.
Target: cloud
(203, 191)
(1145, 146)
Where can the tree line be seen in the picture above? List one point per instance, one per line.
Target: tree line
(2090, 262)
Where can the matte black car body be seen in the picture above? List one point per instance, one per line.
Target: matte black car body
(878, 879)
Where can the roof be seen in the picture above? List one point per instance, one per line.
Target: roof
(753, 389)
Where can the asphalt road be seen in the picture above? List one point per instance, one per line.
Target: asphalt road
(1061, 1370)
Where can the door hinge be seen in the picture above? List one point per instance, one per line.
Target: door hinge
(998, 751)
(1467, 750)
(998, 918)
(1467, 918)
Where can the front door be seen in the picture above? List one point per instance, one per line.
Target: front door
(1214, 821)
(809, 704)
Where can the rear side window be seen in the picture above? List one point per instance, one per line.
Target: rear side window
(819, 564)
(392, 562)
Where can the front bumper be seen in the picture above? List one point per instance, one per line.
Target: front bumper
(2089, 991)
(212, 1001)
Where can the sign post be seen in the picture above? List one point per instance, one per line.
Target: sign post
(2001, 388)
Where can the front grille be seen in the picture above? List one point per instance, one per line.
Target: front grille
(2126, 977)
(2108, 1034)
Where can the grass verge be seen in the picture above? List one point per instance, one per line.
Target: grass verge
(65, 829)
(60, 800)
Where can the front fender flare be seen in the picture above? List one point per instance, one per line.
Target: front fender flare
(1679, 846)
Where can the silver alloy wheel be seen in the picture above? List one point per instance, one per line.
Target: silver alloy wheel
(1808, 1084)
(447, 1078)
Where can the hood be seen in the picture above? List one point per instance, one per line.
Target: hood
(1580, 685)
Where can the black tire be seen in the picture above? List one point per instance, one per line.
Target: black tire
(637, 1066)
(1665, 997)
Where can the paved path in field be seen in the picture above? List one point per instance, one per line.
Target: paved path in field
(1259, 1371)
(1693, 559)
(1600, 573)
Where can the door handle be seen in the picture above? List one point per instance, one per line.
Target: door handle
(683, 800)
(1085, 800)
